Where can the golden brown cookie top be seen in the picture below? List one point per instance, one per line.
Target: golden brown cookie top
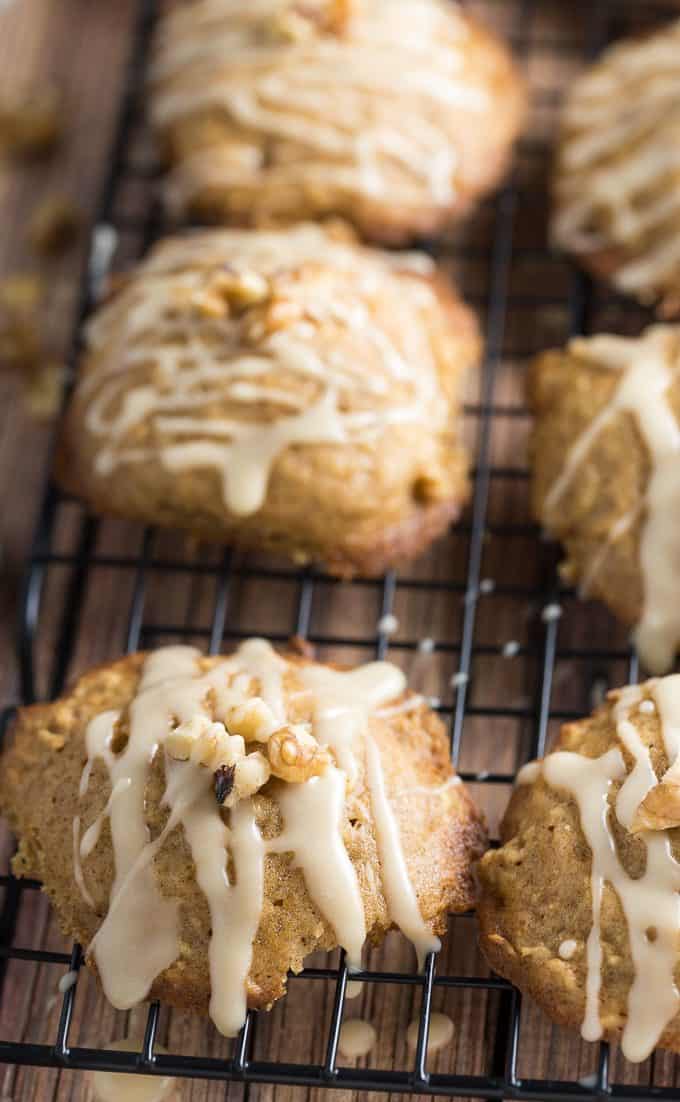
(193, 791)
(336, 103)
(605, 448)
(225, 348)
(617, 176)
(596, 937)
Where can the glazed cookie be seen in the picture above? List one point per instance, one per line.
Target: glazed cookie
(617, 176)
(285, 390)
(579, 906)
(395, 114)
(327, 795)
(605, 453)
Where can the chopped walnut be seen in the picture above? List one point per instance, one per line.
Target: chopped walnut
(294, 754)
(253, 720)
(33, 127)
(54, 226)
(204, 742)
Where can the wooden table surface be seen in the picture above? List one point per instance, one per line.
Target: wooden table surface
(81, 46)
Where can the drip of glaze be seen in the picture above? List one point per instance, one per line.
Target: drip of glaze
(354, 989)
(200, 363)
(109, 1086)
(648, 366)
(440, 1034)
(402, 903)
(139, 937)
(620, 158)
(650, 902)
(232, 61)
(317, 807)
(357, 1038)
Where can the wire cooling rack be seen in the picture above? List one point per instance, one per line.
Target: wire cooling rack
(483, 627)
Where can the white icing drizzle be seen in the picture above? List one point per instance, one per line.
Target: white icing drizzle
(648, 366)
(357, 1038)
(650, 903)
(329, 874)
(440, 1034)
(139, 937)
(109, 1086)
(619, 165)
(371, 111)
(193, 392)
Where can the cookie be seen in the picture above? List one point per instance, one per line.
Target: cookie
(579, 906)
(288, 390)
(202, 824)
(605, 456)
(394, 114)
(617, 173)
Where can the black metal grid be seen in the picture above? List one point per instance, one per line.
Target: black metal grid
(591, 660)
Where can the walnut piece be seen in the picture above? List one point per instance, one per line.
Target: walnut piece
(250, 774)
(205, 742)
(294, 754)
(253, 720)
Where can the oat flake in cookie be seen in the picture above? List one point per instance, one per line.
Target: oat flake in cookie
(605, 454)
(340, 818)
(580, 906)
(286, 390)
(395, 114)
(617, 172)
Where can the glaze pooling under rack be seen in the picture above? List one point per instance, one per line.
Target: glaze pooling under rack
(95, 589)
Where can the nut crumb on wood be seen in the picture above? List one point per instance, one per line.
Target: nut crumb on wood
(44, 388)
(54, 226)
(32, 127)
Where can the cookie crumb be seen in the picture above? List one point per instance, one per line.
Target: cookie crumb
(54, 226)
(33, 127)
(459, 679)
(426, 646)
(510, 649)
(487, 585)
